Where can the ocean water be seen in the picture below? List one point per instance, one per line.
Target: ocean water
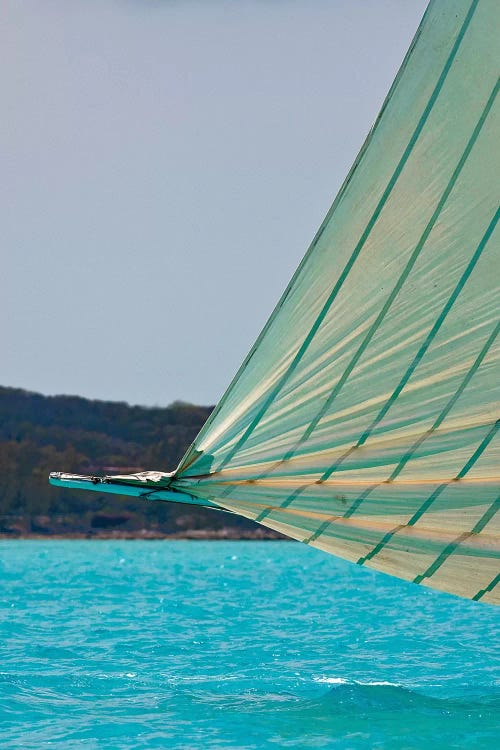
(185, 644)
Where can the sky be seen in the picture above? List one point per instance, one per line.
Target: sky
(165, 165)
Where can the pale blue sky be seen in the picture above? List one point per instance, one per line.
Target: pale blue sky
(165, 165)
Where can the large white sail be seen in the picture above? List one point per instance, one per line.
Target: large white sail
(364, 420)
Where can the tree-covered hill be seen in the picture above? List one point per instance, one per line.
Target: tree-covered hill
(39, 434)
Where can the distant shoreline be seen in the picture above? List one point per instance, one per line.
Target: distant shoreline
(193, 535)
(41, 433)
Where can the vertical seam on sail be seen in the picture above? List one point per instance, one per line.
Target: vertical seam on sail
(430, 500)
(403, 277)
(432, 333)
(451, 548)
(361, 242)
(487, 589)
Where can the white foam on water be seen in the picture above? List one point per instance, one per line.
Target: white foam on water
(380, 682)
(344, 681)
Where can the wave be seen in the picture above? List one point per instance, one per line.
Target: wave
(380, 695)
(344, 681)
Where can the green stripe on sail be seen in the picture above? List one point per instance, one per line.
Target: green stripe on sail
(437, 423)
(435, 328)
(488, 588)
(448, 550)
(480, 450)
(463, 385)
(326, 524)
(380, 546)
(451, 548)
(289, 500)
(486, 518)
(430, 500)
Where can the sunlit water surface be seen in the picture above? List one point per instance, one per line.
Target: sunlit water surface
(122, 645)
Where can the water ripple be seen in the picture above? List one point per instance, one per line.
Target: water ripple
(247, 645)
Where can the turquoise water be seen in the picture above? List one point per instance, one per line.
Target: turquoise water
(128, 645)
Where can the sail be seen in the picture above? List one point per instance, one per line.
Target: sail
(364, 420)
